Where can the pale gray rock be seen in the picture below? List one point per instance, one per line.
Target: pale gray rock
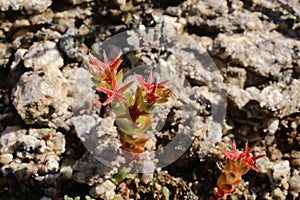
(11, 4)
(264, 53)
(83, 125)
(47, 145)
(4, 54)
(271, 125)
(50, 164)
(89, 170)
(278, 99)
(6, 158)
(282, 100)
(100, 137)
(104, 190)
(206, 9)
(48, 96)
(9, 137)
(19, 55)
(66, 19)
(69, 44)
(42, 54)
(81, 90)
(30, 7)
(278, 194)
(36, 6)
(54, 141)
(281, 172)
(25, 170)
(234, 22)
(48, 34)
(240, 96)
(42, 18)
(42, 97)
(25, 144)
(295, 184)
(66, 172)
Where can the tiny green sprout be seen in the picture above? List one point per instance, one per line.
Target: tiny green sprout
(87, 197)
(166, 193)
(236, 165)
(123, 174)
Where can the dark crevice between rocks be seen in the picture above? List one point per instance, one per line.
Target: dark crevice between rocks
(202, 175)
(10, 15)
(256, 80)
(252, 78)
(74, 151)
(242, 119)
(229, 5)
(13, 120)
(296, 66)
(22, 190)
(165, 3)
(12, 117)
(286, 136)
(258, 183)
(107, 15)
(3, 77)
(167, 132)
(73, 144)
(27, 40)
(107, 19)
(295, 74)
(32, 188)
(60, 5)
(74, 189)
(248, 5)
(203, 30)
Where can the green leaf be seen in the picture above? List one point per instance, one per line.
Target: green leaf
(119, 108)
(121, 175)
(87, 197)
(67, 198)
(166, 192)
(71, 198)
(119, 77)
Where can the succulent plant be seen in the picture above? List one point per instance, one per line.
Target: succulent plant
(133, 111)
(236, 165)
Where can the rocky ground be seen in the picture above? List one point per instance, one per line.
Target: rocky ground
(251, 91)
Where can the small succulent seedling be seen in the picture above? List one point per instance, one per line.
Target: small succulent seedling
(77, 198)
(132, 110)
(126, 178)
(236, 165)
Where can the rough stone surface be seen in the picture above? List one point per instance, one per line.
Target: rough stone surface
(30, 7)
(295, 185)
(89, 170)
(206, 9)
(17, 145)
(105, 190)
(281, 172)
(4, 54)
(42, 97)
(265, 55)
(42, 54)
